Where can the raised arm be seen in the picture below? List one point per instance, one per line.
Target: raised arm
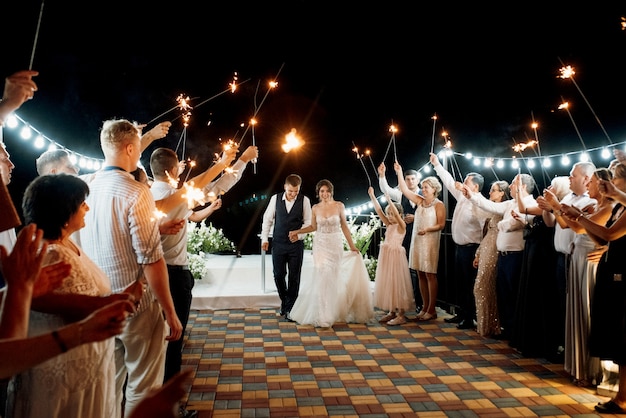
(158, 132)
(377, 208)
(412, 196)
(385, 188)
(599, 233)
(200, 181)
(18, 88)
(396, 215)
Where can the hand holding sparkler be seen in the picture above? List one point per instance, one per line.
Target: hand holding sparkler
(18, 88)
(171, 226)
(397, 168)
(159, 131)
(250, 154)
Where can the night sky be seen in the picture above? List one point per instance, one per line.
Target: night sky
(345, 74)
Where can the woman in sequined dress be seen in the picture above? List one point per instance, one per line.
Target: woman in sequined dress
(487, 318)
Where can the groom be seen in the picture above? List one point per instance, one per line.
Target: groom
(286, 212)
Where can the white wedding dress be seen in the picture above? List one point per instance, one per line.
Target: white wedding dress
(340, 289)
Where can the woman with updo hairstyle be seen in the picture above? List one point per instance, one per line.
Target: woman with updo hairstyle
(485, 261)
(80, 382)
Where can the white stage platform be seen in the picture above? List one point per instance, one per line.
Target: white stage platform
(238, 283)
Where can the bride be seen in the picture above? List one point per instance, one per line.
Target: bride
(340, 289)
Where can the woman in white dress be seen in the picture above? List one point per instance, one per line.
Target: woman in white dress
(340, 289)
(429, 221)
(80, 382)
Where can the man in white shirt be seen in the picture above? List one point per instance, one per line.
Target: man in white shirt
(468, 221)
(165, 167)
(510, 244)
(122, 237)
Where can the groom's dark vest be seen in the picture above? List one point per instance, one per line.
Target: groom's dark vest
(408, 209)
(287, 221)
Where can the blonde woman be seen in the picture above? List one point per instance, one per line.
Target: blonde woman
(430, 219)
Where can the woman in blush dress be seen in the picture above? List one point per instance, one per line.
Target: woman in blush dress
(393, 289)
(340, 289)
(430, 219)
(80, 382)
(487, 317)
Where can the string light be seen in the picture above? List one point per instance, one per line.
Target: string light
(41, 141)
(86, 163)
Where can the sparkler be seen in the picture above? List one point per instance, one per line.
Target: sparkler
(271, 86)
(392, 140)
(432, 141)
(455, 168)
(185, 107)
(192, 164)
(519, 148)
(32, 55)
(565, 105)
(232, 86)
(369, 154)
(360, 158)
(535, 125)
(254, 160)
(394, 129)
(568, 72)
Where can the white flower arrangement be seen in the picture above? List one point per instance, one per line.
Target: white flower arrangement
(202, 238)
(205, 239)
(197, 265)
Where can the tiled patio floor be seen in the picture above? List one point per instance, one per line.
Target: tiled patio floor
(253, 363)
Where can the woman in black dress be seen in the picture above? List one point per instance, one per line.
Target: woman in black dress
(607, 338)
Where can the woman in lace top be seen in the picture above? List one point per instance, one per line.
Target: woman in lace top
(81, 381)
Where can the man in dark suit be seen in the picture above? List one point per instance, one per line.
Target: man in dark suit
(286, 211)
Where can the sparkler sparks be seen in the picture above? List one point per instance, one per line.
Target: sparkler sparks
(393, 129)
(523, 146)
(233, 84)
(369, 154)
(432, 141)
(360, 158)
(568, 72)
(157, 215)
(292, 141)
(194, 195)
